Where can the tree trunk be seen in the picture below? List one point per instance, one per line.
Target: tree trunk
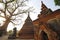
(5, 25)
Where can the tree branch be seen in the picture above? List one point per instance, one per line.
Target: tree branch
(10, 1)
(13, 23)
(24, 11)
(2, 11)
(1, 1)
(2, 16)
(14, 10)
(9, 12)
(16, 14)
(21, 4)
(13, 19)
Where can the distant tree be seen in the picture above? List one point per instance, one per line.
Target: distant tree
(57, 2)
(10, 13)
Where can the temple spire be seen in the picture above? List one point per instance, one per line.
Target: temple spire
(28, 18)
(44, 10)
(43, 6)
(27, 31)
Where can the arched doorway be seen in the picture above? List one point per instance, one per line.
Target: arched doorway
(43, 36)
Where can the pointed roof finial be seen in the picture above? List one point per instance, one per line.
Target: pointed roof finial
(43, 6)
(28, 15)
(42, 2)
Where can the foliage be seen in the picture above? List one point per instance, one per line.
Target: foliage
(57, 2)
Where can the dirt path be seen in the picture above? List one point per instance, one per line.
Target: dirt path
(6, 38)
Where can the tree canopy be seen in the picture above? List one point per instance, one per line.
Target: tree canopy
(57, 2)
(12, 11)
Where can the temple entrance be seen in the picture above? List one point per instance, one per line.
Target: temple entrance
(43, 36)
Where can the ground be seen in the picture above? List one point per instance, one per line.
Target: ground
(6, 38)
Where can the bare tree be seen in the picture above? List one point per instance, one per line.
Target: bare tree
(10, 11)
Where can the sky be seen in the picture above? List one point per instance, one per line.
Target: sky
(36, 4)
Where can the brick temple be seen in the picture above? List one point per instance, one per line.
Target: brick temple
(27, 31)
(42, 28)
(47, 26)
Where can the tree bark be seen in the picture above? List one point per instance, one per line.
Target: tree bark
(5, 25)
